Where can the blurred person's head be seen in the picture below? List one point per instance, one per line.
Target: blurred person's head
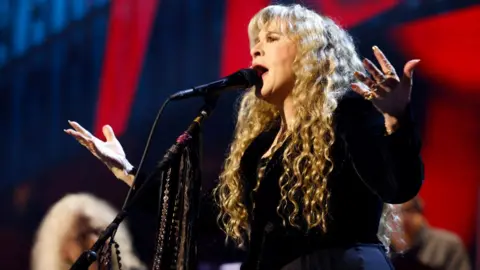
(410, 220)
(71, 226)
(412, 215)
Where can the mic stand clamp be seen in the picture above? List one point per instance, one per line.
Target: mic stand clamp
(89, 256)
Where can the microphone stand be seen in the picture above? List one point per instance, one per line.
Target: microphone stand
(91, 255)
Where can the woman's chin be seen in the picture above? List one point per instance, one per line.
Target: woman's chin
(263, 95)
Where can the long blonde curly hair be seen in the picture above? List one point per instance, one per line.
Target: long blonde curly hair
(324, 66)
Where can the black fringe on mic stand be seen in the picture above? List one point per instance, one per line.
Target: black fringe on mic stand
(180, 185)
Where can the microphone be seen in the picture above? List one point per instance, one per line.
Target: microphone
(244, 78)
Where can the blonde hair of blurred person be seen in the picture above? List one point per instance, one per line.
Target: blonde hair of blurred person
(71, 226)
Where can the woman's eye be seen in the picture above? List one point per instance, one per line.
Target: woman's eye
(271, 39)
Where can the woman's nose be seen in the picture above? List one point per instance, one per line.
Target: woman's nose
(256, 51)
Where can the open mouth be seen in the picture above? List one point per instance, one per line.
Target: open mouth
(261, 70)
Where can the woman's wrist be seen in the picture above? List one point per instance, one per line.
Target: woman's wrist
(391, 124)
(126, 174)
(128, 168)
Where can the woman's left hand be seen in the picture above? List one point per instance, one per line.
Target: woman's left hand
(385, 89)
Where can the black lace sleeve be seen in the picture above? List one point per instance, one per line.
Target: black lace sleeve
(390, 165)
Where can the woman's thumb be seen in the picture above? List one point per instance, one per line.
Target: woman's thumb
(108, 133)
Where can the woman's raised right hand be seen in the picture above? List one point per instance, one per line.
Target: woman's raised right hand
(110, 152)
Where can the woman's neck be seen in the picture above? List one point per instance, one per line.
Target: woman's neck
(287, 114)
(286, 125)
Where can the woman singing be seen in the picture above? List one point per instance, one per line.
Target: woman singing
(317, 151)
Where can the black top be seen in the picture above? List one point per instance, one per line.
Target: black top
(369, 169)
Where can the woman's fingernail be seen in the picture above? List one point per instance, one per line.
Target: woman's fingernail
(375, 47)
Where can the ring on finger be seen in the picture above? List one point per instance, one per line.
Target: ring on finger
(369, 95)
(390, 73)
